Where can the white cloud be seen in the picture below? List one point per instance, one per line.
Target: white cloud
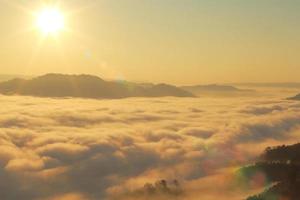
(84, 149)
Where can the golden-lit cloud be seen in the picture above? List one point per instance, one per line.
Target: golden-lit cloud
(108, 149)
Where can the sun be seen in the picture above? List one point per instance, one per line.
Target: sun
(50, 21)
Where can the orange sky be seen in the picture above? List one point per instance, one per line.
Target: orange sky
(181, 42)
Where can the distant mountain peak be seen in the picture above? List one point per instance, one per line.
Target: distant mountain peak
(86, 86)
(68, 76)
(297, 97)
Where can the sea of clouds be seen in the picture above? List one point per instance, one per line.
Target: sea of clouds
(81, 149)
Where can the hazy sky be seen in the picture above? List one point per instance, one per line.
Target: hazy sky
(175, 41)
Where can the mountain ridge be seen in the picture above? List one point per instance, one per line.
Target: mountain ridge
(214, 89)
(297, 97)
(86, 86)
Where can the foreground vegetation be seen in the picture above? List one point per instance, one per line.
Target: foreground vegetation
(281, 166)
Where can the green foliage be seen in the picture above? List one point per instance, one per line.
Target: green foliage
(281, 165)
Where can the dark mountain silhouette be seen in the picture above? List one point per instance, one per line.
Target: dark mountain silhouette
(281, 166)
(214, 89)
(86, 86)
(297, 97)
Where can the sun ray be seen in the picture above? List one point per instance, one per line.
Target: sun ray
(50, 20)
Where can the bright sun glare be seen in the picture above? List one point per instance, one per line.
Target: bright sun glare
(50, 21)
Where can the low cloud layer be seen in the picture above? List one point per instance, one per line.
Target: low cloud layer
(53, 149)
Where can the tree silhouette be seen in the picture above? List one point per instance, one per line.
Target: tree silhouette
(281, 165)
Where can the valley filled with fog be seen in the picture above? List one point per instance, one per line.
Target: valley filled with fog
(73, 148)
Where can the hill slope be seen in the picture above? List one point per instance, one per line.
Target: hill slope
(297, 97)
(215, 89)
(86, 86)
(281, 166)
